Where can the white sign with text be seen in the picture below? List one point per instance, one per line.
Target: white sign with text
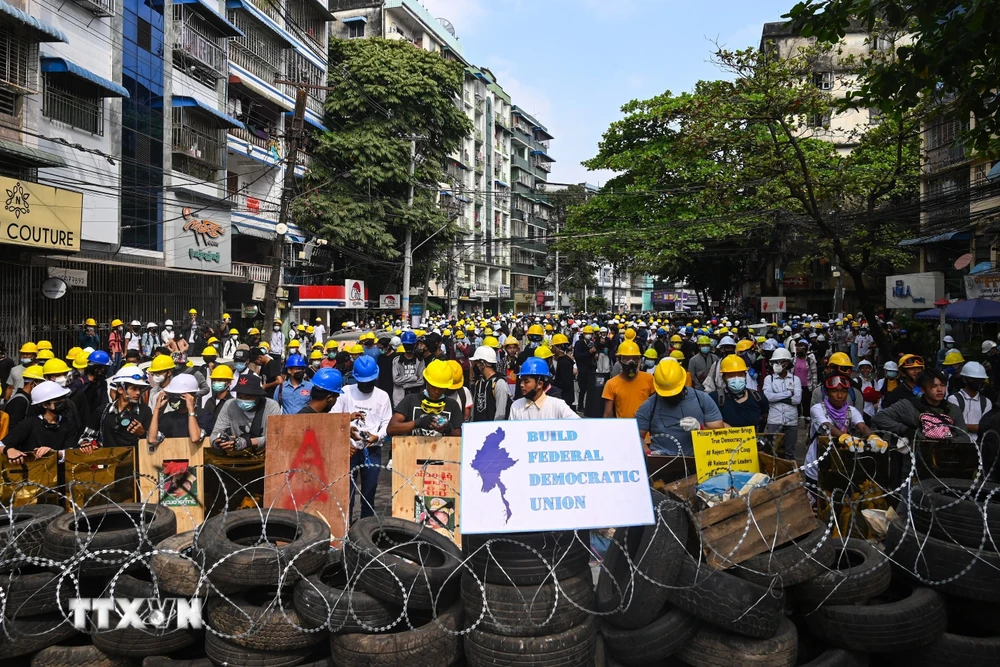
(528, 476)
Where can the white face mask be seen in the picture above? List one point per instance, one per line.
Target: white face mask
(777, 368)
(156, 378)
(61, 380)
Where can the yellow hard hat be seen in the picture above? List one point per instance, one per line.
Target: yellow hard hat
(744, 345)
(676, 339)
(221, 372)
(209, 352)
(628, 349)
(116, 323)
(29, 348)
(331, 344)
(437, 374)
(543, 352)
(510, 340)
(234, 332)
(225, 316)
(400, 349)
(55, 367)
(760, 339)
(953, 357)
(44, 345)
(212, 339)
(911, 361)
(34, 373)
(588, 329)
(264, 345)
(697, 322)
(724, 330)
(677, 354)
(536, 330)
(300, 327)
(90, 322)
(161, 363)
(294, 344)
(318, 345)
(491, 341)
(193, 311)
(357, 348)
(73, 351)
(44, 354)
(81, 361)
(445, 333)
(841, 359)
(629, 334)
(315, 354)
(560, 339)
(252, 331)
(669, 378)
(457, 374)
(487, 331)
(310, 329)
(733, 364)
(548, 327)
(277, 320)
(460, 335)
(650, 353)
(704, 340)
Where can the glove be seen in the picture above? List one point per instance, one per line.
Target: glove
(851, 443)
(241, 443)
(903, 445)
(877, 444)
(689, 424)
(423, 421)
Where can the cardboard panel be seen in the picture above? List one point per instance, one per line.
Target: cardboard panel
(173, 474)
(425, 483)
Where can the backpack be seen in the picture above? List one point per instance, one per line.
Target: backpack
(961, 402)
(935, 427)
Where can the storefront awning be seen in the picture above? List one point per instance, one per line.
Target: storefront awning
(224, 119)
(30, 155)
(247, 230)
(212, 15)
(44, 31)
(63, 66)
(955, 235)
(355, 19)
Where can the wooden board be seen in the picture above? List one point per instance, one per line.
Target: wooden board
(173, 475)
(307, 463)
(106, 475)
(26, 483)
(425, 483)
(781, 513)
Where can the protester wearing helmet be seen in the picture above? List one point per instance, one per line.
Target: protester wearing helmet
(890, 378)
(491, 397)
(53, 430)
(328, 387)
(701, 363)
(783, 391)
(430, 412)
(535, 403)
(175, 414)
(625, 392)
(221, 383)
(929, 415)
(95, 386)
(407, 369)
(970, 399)
(370, 415)
(739, 405)
(910, 368)
(713, 381)
(292, 394)
(88, 336)
(17, 407)
(116, 343)
(835, 417)
(674, 410)
(126, 419)
(866, 383)
(159, 374)
(242, 423)
(27, 357)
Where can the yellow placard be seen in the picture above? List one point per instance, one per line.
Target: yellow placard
(723, 450)
(40, 216)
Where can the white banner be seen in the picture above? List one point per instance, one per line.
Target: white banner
(917, 291)
(528, 476)
(772, 304)
(354, 294)
(983, 286)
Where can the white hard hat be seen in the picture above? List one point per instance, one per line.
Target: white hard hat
(820, 338)
(135, 323)
(890, 366)
(971, 369)
(949, 339)
(487, 354)
(182, 384)
(865, 362)
(395, 342)
(781, 354)
(168, 323)
(47, 391)
(770, 344)
(727, 340)
(151, 325)
(988, 345)
(129, 375)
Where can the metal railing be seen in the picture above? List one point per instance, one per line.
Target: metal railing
(244, 202)
(253, 272)
(272, 8)
(205, 50)
(197, 140)
(86, 114)
(542, 164)
(251, 137)
(99, 7)
(18, 62)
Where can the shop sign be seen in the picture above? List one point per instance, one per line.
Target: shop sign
(983, 286)
(354, 293)
(253, 204)
(198, 238)
(480, 294)
(54, 288)
(914, 290)
(797, 282)
(388, 301)
(772, 304)
(505, 291)
(72, 277)
(526, 476)
(40, 216)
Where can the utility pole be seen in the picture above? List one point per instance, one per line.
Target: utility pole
(278, 244)
(408, 250)
(558, 307)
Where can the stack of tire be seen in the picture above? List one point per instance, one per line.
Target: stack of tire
(529, 599)
(946, 541)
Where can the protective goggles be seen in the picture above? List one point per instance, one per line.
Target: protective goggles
(535, 338)
(837, 382)
(124, 379)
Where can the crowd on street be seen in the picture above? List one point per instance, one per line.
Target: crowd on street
(672, 375)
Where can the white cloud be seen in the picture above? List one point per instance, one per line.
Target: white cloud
(465, 15)
(531, 99)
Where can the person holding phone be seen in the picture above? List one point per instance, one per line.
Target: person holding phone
(48, 427)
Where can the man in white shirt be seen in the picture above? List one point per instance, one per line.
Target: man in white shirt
(535, 403)
(970, 400)
(319, 331)
(783, 390)
(865, 343)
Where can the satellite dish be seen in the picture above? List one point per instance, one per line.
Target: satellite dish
(448, 26)
(963, 261)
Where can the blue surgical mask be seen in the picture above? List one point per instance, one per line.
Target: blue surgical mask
(246, 405)
(891, 374)
(650, 363)
(240, 366)
(714, 343)
(706, 349)
(736, 385)
(26, 361)
(219, 386)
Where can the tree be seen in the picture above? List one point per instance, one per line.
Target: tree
(355, 195)
(577, 269)
(735, 164)
(952, 56)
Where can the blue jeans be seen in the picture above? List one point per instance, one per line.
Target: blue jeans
(367, 471)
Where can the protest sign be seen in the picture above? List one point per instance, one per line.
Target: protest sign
(173, 474)
(525, 476)
(723, 450)
(425, 483)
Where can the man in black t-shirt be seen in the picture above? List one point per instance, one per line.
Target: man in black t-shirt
(47, 428)
(429, 413)
(125, 421)
(270, 368)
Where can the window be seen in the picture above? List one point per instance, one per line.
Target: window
(18, 62)
(144, 37)
(980, 172)
(823, 80)
(9, 103)
(944, 132)
(355, 29)
(883, 43)
(73, 106)
(819, 121)
(257, 51)
(199, 145)
(198, 47)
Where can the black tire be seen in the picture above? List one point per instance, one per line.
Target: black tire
(712, 648)
(858, 573)
(434, 644)
(262, 619)
(329, 599)
(240, 549)
(27, 635)
(641, 562)
(792, 563)
(163, 661)
(22, 532)
(30, 590)
(135, 642)
(950, 568)
(955, 650)
(952, 510)
(78, 540)
(528, 611)
(838, 657)
(527, 559)
(901, 619)
(77, 656)
(662, 638)
(403, 563)
(982, 617)
(726, 601)
(179, 568)
(572, 648)
(224, 653)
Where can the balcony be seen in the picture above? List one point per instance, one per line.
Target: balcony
(249, 205)
(543, 165)
(272, 9)
(197, 46)
(479, 136)
(528, 269)
(480, 165)
(257, 273)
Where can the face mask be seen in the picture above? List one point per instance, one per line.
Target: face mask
(650, 363)
(246, 405)
(62, 380)
(587, 337)
(777, 368)
(174, 403)
(61, 407)
(706, 349)
(333, 355)
(949, 371)
(737, 385)
(366, 387)
(973, 384)
(26, 361)
(240, 366)
(891, 374)
(298, 375)
(631, 368)
(801, 353)
(169, 328)
(316, 364)
(219, 386)
(277, 328)
(156, 378)
(949, 345)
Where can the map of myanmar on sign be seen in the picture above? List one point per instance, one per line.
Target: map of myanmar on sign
(553, 475)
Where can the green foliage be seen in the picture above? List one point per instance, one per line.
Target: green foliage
(384, 91)
(952, 56)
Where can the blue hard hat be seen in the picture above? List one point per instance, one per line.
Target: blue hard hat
(99, 358)
(295, 361)
(408, 338)
(329, 379)
(902, 331)
(365, 369)
(535, 366)
(661, 331)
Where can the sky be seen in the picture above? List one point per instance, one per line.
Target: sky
(572, 64)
